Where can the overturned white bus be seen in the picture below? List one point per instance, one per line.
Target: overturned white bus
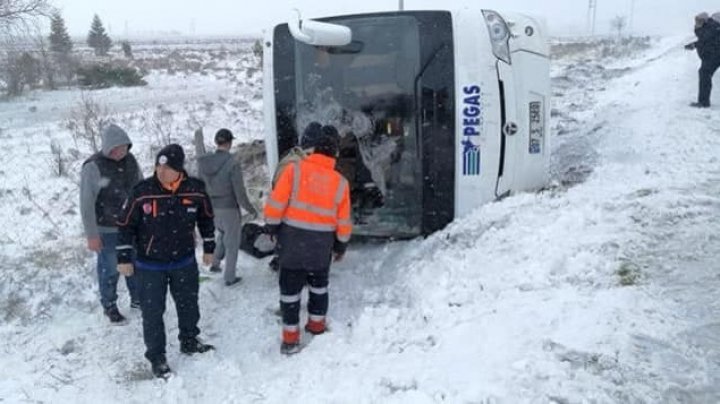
(439, 111)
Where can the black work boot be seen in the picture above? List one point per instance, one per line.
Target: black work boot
(234, 281)
(160, 368)
(192, 346)
(289, 349)
(274, 264)
(113, 314)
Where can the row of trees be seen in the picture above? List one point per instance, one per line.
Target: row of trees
(97, 38)
(30, 60)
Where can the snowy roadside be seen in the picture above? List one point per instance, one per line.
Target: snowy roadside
(603, 288)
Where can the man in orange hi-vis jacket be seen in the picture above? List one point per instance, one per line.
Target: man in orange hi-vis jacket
(309, 212)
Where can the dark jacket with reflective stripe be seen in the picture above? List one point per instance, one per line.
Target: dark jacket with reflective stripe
(159, 225)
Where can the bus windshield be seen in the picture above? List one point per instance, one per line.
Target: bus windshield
(367, 90)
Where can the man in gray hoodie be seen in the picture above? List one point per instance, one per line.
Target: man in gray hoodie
(106, 179)
(223, 177)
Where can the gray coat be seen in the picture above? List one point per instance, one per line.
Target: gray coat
(223, 177)
(92, 182)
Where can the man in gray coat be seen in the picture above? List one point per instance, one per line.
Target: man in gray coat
(106, 179)
(223, 177)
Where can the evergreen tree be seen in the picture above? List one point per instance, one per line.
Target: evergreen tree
(98, 39)
(60, 42)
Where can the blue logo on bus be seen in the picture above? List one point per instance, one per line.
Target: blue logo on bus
(471, 158)
(472, 123)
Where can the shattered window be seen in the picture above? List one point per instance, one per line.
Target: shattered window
(366, 90)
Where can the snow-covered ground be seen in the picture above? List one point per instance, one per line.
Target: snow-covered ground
(603, 288)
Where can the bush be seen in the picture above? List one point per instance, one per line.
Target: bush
(105, 75)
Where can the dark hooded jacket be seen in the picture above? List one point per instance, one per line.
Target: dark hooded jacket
(106, 183)
(708, 42)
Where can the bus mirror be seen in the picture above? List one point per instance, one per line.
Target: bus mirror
(319, 33)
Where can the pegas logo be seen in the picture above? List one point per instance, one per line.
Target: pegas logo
(472, 122)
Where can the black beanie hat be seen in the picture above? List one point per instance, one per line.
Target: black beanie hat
(172, 156)
(328, 141)
(311, 135)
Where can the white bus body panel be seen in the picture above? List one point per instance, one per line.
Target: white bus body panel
(269, 113)
(526, 82)
(475, 67)
(527, 152)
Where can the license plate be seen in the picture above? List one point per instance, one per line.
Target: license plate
(537, 127)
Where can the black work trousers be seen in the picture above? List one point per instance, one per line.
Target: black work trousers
(152, 286)
(292, 282)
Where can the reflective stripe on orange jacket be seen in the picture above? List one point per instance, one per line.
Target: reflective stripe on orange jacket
(311, 195)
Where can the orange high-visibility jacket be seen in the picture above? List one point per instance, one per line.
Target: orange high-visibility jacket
(311, 195)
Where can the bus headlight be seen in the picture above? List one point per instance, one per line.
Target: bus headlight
(499, 35)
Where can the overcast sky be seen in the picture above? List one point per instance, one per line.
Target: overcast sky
(222, 17)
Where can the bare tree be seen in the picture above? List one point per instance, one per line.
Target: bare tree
(58, 162)
(87, 121)
(49, 69)
(19, 15)
(160, 125)
(18, 20)
(618, 24)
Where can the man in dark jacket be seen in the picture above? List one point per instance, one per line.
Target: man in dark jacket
(309, 211)
(223, 176)
(707, 45)
(158, 225)
(106, 180)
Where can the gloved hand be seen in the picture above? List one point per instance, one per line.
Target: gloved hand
(690, 46)
(207, 259)
(126, 269)
(338, 256)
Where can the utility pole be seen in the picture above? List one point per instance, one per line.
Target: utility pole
(591, 16)
(401, 5)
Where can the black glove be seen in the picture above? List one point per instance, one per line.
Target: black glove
(690, 46)
(270, 229)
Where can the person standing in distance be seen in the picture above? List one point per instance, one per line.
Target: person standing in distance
(707, 30)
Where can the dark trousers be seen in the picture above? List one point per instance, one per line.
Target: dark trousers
(292, 282)
(707, 69)
(153, 286)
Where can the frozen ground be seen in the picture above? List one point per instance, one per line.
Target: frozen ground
(603, 288)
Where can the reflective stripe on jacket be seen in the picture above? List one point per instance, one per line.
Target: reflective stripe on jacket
(311, 195)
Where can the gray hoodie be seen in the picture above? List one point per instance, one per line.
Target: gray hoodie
(223, 177)
(92, 182)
